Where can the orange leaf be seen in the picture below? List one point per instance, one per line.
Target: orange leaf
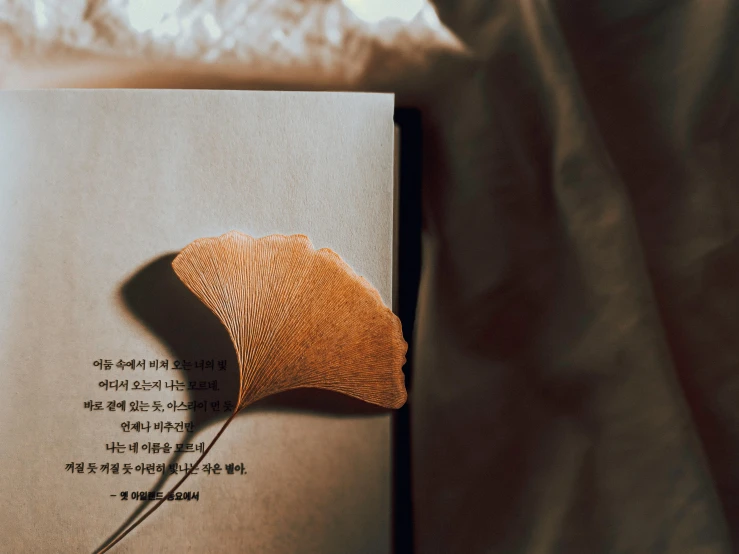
(298, 317)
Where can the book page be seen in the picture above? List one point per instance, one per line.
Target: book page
(107, 357)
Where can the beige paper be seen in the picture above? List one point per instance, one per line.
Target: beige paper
(98, 190)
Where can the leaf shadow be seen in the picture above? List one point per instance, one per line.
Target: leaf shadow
(190, 331)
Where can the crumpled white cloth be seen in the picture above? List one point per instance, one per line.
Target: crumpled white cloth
(325, 39)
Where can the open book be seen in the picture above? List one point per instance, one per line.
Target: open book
(114, 376)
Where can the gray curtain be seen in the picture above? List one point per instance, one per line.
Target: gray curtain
(576, 387)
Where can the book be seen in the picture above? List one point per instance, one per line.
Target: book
(107, 357)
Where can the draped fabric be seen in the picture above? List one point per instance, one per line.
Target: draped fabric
(576, 380)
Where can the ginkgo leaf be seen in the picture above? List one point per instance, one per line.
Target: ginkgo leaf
(298, 317)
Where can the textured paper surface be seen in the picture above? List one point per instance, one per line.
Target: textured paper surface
(95, 187)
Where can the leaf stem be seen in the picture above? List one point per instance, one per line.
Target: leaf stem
(135, 524)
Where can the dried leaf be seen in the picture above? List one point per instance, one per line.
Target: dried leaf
(298, 317)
